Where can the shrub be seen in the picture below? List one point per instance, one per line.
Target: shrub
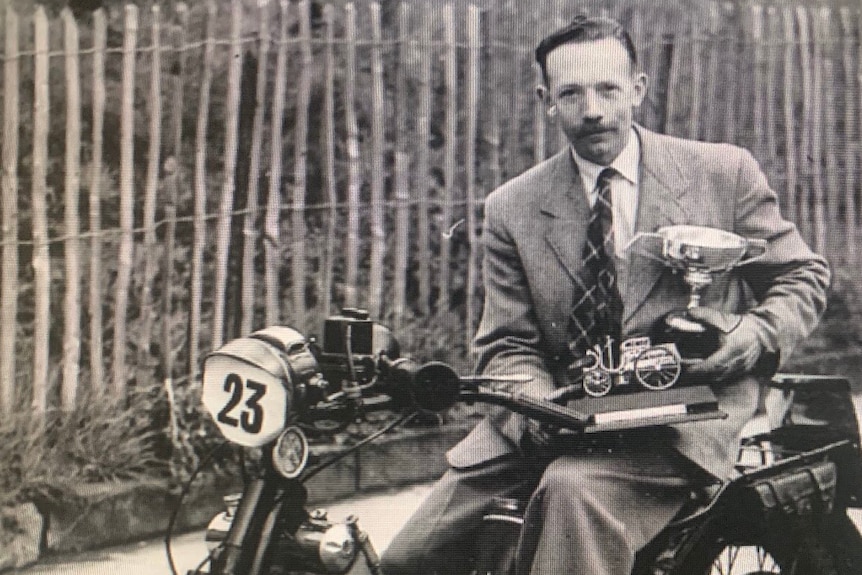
(46, 457)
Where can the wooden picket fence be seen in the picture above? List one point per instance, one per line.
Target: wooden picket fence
(345, 165)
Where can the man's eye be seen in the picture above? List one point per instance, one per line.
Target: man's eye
(568, 93)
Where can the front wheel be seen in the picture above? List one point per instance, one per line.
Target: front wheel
(828, 549)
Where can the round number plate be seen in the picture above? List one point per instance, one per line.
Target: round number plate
(247, 402)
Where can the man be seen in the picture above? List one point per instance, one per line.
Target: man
(557, 278)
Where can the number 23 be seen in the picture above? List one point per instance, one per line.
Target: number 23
(251, 421)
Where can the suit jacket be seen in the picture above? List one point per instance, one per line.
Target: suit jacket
(533, 235)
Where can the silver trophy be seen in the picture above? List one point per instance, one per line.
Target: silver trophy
(700, 253)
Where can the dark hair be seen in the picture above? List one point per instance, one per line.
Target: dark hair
(584, 28)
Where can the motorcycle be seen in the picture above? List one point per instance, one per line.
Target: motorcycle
(784, 512)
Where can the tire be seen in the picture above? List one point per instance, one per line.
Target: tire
(597, 383)
(831, 548)
(657, 368)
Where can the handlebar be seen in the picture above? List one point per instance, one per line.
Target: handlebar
(541, 409)
(435, 387)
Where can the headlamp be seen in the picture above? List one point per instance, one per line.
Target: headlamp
(290, 452)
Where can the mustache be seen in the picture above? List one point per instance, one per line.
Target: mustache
(593, 129)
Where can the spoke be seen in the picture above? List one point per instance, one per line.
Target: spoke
(748, 558)
(735, 555)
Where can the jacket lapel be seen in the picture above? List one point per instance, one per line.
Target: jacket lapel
(567, 211)
(660, 203)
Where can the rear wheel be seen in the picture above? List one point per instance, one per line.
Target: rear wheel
(830, 549)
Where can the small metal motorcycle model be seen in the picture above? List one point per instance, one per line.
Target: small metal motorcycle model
(655, 367)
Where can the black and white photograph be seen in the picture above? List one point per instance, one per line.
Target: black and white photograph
(431, 287)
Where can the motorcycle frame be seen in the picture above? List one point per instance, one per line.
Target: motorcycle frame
(267, 495)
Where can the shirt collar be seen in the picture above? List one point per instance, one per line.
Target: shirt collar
(627, 163)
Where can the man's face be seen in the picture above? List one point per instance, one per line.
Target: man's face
(593, 90)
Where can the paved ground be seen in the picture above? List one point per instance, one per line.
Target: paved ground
(380, 515)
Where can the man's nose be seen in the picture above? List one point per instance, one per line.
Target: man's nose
(592, 106)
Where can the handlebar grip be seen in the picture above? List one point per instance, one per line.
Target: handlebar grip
(436, 387)
(433, 386)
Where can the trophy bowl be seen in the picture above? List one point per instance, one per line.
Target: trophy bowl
(707, 249)
(698, 252)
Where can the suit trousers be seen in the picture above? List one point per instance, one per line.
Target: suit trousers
(588, 512)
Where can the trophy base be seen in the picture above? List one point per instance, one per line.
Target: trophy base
(648, 408)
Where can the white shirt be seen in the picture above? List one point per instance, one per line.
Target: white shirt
(624, 188)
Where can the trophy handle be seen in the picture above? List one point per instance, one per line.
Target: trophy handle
(755, 249)
(647, 244)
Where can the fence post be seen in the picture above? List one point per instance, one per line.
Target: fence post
(272, 225)
(249, 236)
(494, 98)
(199, 216)
(224, 219)
(473, 87)
(303, 98)
(423, 183)
(41, 255)
(788, 104)
(97, 370)
(696, 78)
(450, 148)
(378, 118)
(772, 36)
(759, 128)
(9, 294)
(712, 71)
(154, 105)
(402, 225)
(127, 203)
(673, 72)
(816, 149)
(173, 173)
(859, 88)
(851, 217)
(539, 150)
(803, 219)
(354, 184)
(329, 160)
(402, 171)
(830, 145)
(72, 305)
(731, 59)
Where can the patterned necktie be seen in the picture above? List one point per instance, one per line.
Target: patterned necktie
(598, 308)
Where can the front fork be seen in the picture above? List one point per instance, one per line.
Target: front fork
(242, 551)
(271, 505)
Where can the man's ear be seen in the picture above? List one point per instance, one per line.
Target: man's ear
(641, 85)
(543, 94)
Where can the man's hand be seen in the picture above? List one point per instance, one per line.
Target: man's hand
(539, 436)
(739, 345)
